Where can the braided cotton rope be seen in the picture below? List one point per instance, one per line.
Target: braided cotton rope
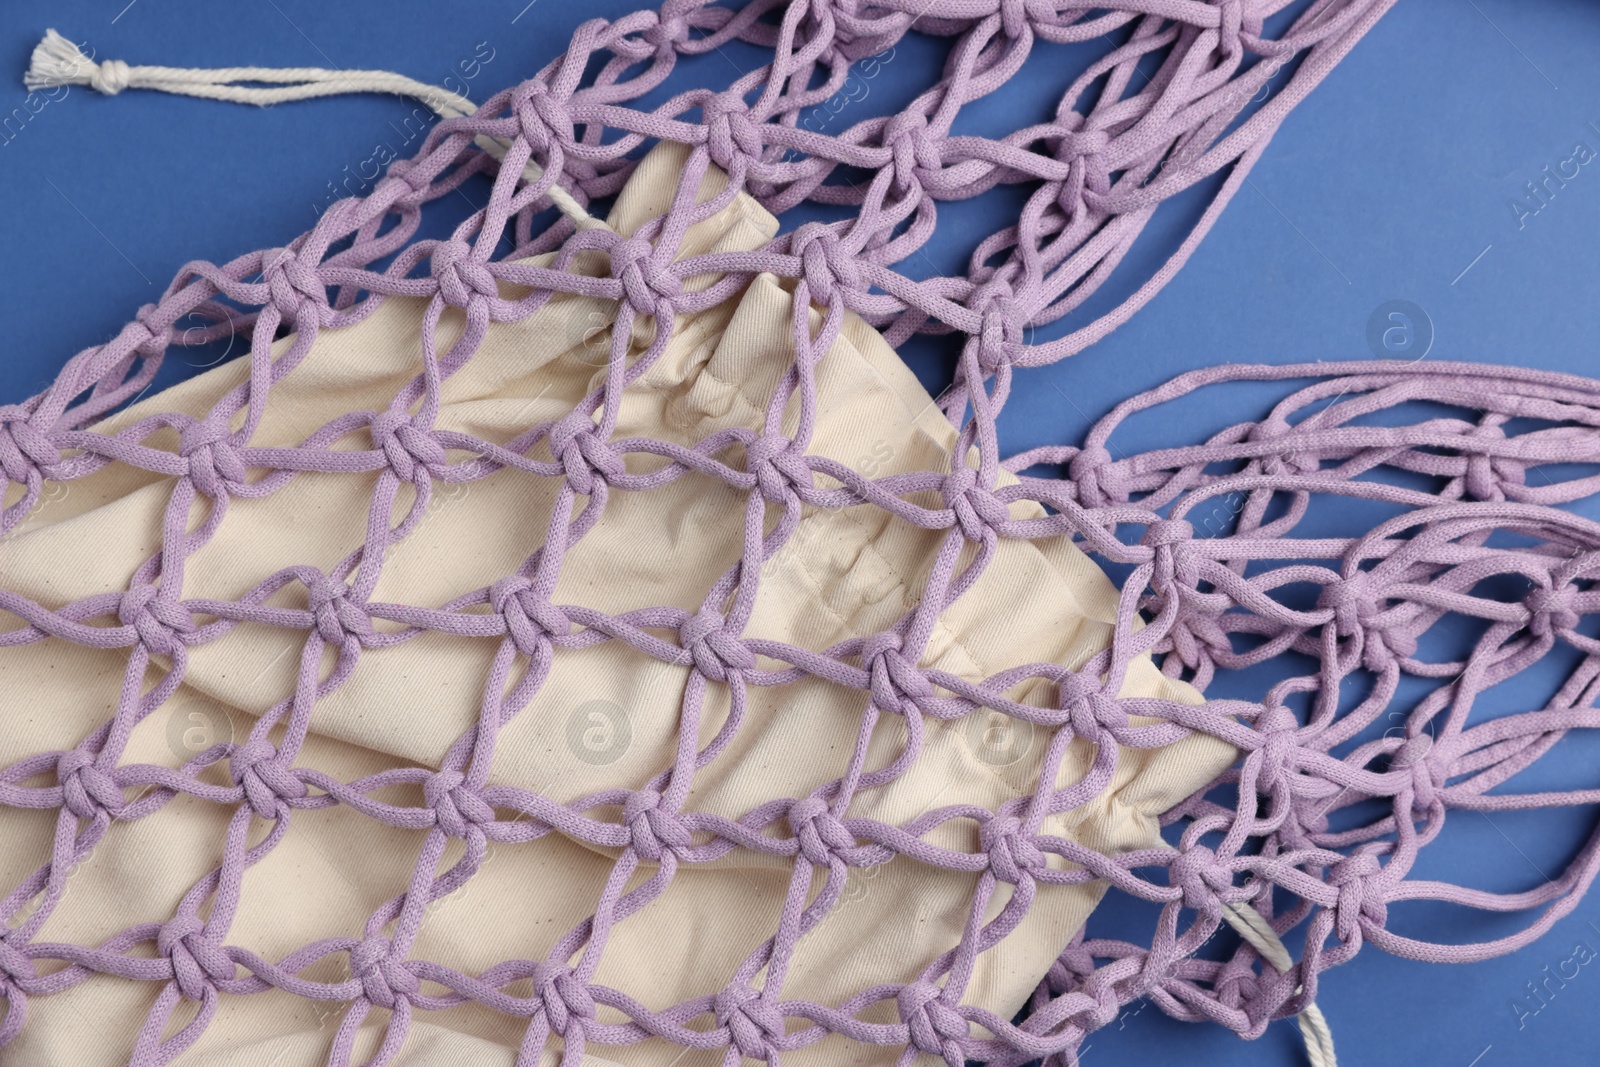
(1097, 175)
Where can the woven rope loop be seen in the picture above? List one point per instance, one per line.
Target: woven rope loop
(648, 286)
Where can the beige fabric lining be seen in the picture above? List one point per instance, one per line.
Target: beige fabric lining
(850, 572)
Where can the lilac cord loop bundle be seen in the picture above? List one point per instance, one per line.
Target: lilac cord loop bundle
(1113, 151)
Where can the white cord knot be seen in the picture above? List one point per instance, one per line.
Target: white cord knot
(110, 77)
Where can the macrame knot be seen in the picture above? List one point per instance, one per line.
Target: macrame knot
(457, 806)
(26, 454)
(1235, 19)
(1202, 876)
(896, 683)
(1088, 174)
(413, 177)
(531, 620)
(856, 36)
(412, 452)
(670, 30)
(1487, 476)
(1072, 968)
(1164, 533)
(1012, 853)
(824, 262)
(821, 834)
(565, 999)
(649, 287)
(1355, 878)
(214, 464)
(1018, 16)
(913, 149)
(1415, 755)
(16, 967)
(585, 457)
(152, 327)
(161, 623)
(293, 286)
(1286, 462)
(656, 831)
(716, 651)
(384, 978)
(1279, 731)
(1352, 602)
(545, 120)
(753, 1021)
(999, 336)
(733, 138)
(1356, 609)
(1168, 540)
(780, 468)
(1196, 637)
(1552, 611)
(197, 961)
(977, 510)
(86, 790)
(1098, 479)
(1093, 713)
(1382, 646)
(265, 776)
(340, 618)
(935, 1026)
(462, 276)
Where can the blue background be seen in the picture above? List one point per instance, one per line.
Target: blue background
(1392, 181)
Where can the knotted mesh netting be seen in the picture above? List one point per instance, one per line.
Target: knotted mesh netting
(1166, 107)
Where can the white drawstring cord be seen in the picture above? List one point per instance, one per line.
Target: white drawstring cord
(58, 61)
(1313, 1024)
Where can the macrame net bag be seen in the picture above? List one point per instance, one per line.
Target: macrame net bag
(1309, 834)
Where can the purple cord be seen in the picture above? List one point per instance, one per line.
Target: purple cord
(1097, 175)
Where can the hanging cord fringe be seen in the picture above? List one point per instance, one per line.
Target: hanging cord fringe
(58, 61)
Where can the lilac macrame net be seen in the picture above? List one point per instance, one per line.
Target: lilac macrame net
(1259, 837)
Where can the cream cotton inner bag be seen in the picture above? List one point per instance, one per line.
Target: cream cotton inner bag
(606, 717)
